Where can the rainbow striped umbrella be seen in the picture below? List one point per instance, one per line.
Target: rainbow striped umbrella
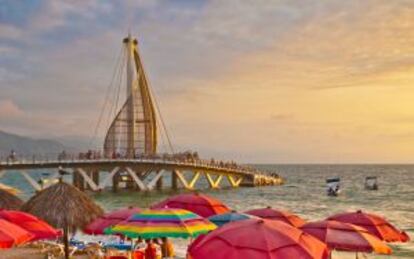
(155, 223)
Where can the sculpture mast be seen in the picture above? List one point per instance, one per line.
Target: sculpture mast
(130, 92)
(134, 129)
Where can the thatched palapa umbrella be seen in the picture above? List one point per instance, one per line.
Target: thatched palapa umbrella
(8, 201)
(63, 206)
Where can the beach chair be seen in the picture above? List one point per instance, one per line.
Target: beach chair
(51, 248)
(55, 249)
(94, 251)
(113, 252)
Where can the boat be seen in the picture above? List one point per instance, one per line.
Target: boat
(371, 183)
(333, 186)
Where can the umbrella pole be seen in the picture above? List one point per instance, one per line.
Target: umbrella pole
(66, 241)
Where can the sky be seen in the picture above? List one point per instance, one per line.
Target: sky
(283, 81)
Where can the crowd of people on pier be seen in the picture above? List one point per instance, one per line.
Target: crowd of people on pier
(186, 156)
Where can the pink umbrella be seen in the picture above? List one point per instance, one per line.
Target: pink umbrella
(98, 226)
(347, 237)
(197, 203)
(38, 228)
(11, 234)
(281, 215)
(375, 224)
(257, 238)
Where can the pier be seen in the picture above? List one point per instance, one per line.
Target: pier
(130, 157)
(136, 174)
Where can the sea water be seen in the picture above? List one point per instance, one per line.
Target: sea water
(304, 193)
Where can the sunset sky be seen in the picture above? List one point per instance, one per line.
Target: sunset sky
(283, 81)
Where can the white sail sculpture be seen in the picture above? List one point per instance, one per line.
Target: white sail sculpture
(134, 130)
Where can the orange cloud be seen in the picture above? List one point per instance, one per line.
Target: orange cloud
(8, 109)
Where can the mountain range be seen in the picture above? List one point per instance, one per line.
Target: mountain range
(27, 146)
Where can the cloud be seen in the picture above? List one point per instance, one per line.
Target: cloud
(281, 117)
(10, 32)
(231, 76)
(8, 109)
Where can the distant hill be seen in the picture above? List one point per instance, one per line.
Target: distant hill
(28, 146)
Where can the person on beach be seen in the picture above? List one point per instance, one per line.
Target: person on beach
(139, 249)
(139, 244)
(151, 250)
(157, 244)
(167, 248)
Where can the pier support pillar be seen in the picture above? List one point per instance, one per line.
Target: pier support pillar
(160, 183)
(248, 181)
(174, 180)
(108, 178)
(95, 176)
(115, 181)
(155, 181)
(214, 183)
(75, 180)
(193, 181)
(31, 181)
(136, 179)
(86, 176)
(234, 181)
(80, 181)
(183, 181)
(89, 174)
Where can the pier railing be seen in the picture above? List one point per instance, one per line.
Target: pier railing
(72, 158)
(86, 170)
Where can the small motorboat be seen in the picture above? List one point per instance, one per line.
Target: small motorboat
(371, 183)
(333, 186)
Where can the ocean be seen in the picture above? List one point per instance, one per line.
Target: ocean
(304, 194)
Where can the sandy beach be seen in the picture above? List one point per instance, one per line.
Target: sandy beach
(26, 253)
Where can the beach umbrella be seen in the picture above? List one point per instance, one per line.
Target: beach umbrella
(156, 223)
(200, 204)
(9, 201)
(225, 218)
(63, 206)
(346, 237)
(37, 227)
(257, 238)
(281, 215)
(110, 219)
(11, 234)
(375, 224)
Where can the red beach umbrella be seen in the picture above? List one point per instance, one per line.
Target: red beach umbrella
(38, 228)
(257, 238)
(347, 237)
(200, 204)
(110, 219)
(11, 234)
(375, 224)
(282, 215)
